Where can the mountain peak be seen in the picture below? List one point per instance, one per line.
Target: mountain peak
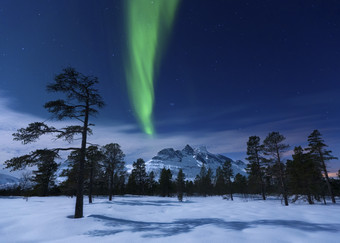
(188, 150)
(190, 160)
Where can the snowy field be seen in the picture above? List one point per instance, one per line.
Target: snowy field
(155, 219)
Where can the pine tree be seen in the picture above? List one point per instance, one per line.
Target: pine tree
(274, 148)
(304, 176)
(255, 167)
(203, 181)
(138, 177)
(228, 175)
(113, 162)
(180, 182)
(80, 103)
(220, 186)
(165, 182)
(44, 177)
(318, 151)
(240, 184)
(93, 158)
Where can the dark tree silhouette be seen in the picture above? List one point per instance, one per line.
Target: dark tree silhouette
(165, 182)
(255, 167)
(180, 182)
(44, 159)
(113, 162)
(228, 175)
(138, 178)
(81, 101)
(93, 158)
(274, 148)
(317, 149)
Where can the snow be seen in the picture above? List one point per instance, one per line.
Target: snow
(156, 219)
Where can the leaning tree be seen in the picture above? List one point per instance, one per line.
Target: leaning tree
(319, 152)
(80, 102)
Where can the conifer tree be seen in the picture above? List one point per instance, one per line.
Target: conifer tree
(113, 162)
(304, 177)
(228, 175)
(138, 177)
(151, 183)
(80, 103)
(93, 158)
(180, 182)
(220, 186)
(203, 181)
(44, 177)
(240, 184)
(165, 182)
(255, 167)
(318, 151)
(274, 148)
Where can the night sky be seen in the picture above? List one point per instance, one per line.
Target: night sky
(231, 69)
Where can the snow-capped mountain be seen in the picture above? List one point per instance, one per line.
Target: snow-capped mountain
(190, 160)
(8, 181)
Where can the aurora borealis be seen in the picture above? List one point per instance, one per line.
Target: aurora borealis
(148, 26)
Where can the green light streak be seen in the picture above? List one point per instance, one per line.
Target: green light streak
(148, 25)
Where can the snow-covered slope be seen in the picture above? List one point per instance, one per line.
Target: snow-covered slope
(8, 181)
(190, 160)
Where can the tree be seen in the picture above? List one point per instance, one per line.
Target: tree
(151, 183)
(304, 176)
(203, 181)
(240, 184)
(44, 160)
(318, 151)
(93, 158)
(113, 162)
(138, 177)
(165, 182)
(45, 175)
(228, 175)
(180, 182)
(80, 103)
(255, 167)
(274, 148)
(220, 186)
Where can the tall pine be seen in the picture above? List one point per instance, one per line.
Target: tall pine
(274, 148)
(255, 167)
(318, 150)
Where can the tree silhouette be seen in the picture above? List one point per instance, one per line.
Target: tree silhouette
(80, 103)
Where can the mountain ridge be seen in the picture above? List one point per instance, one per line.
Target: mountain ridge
(190, 160)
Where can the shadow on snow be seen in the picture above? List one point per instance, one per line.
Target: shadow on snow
(145, 203)
(161, 229)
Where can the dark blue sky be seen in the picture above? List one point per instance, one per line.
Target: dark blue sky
(247, 67)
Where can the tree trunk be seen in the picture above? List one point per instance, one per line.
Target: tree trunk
(327, 178)
(283, 184)
(231, 191)
(80, 185)
(90, 184)
(110, 186)
(263, 190)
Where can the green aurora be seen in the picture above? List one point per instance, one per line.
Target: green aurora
(148, 26)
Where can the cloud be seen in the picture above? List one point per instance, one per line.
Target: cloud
(135, 144)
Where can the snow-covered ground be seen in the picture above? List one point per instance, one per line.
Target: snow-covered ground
(155, 219)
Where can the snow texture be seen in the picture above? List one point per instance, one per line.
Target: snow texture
(190, 160)
(156, 219)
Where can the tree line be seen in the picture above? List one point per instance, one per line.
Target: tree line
(268, 174)
(99, 170)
